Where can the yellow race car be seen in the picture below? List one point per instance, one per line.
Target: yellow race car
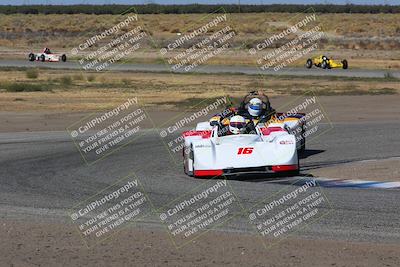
(326, 63)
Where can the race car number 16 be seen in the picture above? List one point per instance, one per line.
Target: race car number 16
(245, 150)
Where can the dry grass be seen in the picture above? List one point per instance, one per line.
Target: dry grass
(164, 91)
(360, 25)
(67, 31)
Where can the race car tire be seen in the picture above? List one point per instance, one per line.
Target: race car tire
(296, 172)
(309, 63)
(42, 58)
(345, 64)
(31, 57)
(63, 58)
(302, 147)
(291, 173)
(324, 64)
(189, 157)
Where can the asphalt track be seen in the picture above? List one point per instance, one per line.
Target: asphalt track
(42, 175)
(210, 69)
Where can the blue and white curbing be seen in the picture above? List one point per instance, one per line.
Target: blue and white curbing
(327, 182)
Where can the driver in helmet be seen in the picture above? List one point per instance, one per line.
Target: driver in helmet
(256, 107)
(46, 51)
(237, 125)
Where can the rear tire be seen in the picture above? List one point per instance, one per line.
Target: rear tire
(31, 57)
(302, 147)
(63, 58)
(309, 63)
(42, 58)
(324, 64)
(345, 64)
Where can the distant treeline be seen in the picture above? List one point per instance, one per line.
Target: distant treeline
(194, 8)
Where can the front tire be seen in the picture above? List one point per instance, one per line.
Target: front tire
(43, 58)
(297, 172)
(324, 65)
(187, 158)
(292, 173)
(63, 58)
(345, 64)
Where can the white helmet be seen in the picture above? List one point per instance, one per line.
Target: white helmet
(237, 124)
(255, 107)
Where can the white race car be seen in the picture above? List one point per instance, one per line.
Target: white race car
(272, 149)
(46, 55)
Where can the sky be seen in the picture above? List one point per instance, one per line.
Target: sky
(133, 2)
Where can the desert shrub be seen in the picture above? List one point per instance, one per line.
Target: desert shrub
(25, 87)
(32, 73)
(126, 82)
(91, 78)
(78, 77)
(66, 80)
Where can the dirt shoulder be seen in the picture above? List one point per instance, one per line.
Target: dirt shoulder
(339, 109)
(54, 244)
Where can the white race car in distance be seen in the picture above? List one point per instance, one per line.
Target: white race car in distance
(273, 148)
(46, 55)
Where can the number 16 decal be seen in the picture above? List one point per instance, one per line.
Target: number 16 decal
(245, 150)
